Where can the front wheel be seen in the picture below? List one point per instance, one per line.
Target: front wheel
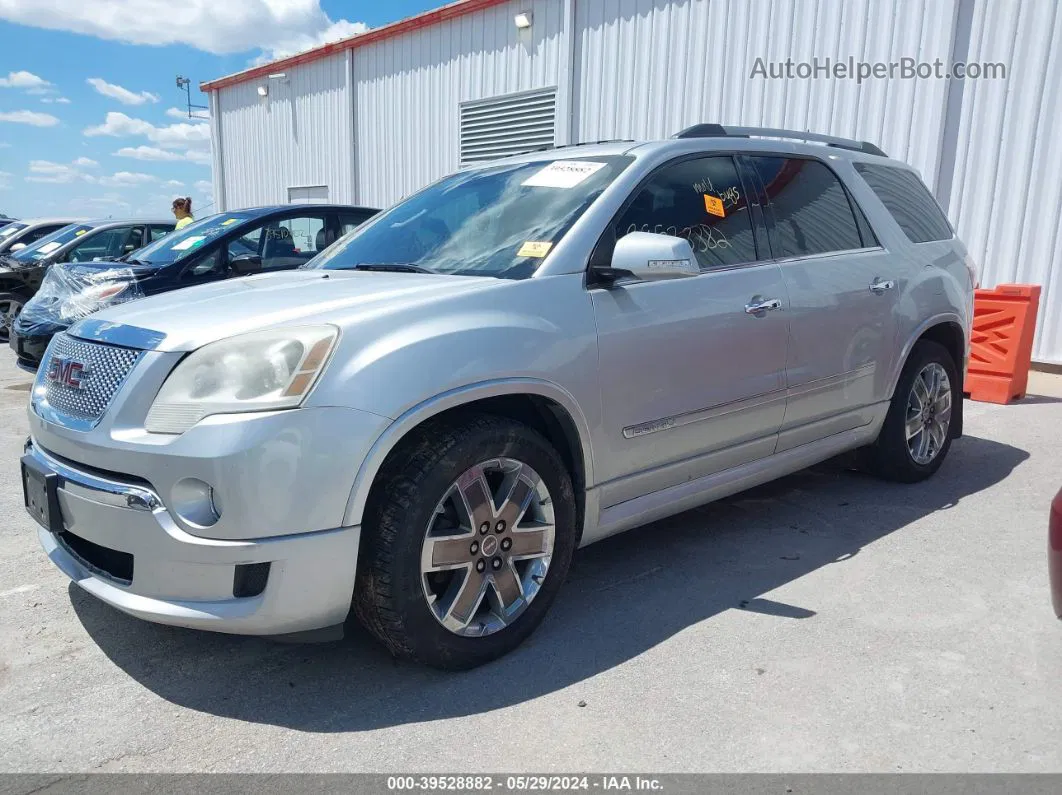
(466, 541)
(917, 432)
(10, 306)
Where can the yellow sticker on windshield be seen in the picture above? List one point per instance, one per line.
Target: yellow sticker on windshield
(533, 248)
(80, 232)
(229, 221)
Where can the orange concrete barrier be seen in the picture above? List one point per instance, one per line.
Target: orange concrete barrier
(1001, 342)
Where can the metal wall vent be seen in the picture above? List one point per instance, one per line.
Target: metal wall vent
(508, 125)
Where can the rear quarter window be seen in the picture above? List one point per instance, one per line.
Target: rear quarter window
(908, 201)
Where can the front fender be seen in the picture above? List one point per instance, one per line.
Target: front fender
(395, 432)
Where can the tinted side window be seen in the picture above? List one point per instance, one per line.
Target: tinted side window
(37, 234)
(908, 201)
(810, 206)
(105, 244)
(159, 231)
(701, 200)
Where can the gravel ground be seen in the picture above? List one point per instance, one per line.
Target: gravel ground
(826, 622)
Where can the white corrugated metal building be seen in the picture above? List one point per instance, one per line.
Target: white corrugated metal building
(370, 119)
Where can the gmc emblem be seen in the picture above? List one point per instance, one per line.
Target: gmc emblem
(67, 372)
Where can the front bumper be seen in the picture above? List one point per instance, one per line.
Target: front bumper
(117, 540)
(29, 350)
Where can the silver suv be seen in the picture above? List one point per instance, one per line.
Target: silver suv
(424, 423)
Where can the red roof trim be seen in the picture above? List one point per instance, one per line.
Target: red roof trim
(427, 19)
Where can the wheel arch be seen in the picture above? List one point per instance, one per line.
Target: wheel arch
(544, 406)
(947, 331)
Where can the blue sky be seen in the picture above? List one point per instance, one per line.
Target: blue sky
(90, 117)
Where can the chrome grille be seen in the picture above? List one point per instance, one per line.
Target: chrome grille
(105, 368)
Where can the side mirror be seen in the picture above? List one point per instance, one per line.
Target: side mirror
(244, 264)
(650, 257)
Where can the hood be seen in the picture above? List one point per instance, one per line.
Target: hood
(183, 320)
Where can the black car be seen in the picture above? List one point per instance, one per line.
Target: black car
(22, 272)
(217, 247)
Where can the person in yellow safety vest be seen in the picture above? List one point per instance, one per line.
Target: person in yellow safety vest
(182, 211)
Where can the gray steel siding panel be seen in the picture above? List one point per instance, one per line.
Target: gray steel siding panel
(647, 68)
(1007, 199)
(409, 90)
(297, 135)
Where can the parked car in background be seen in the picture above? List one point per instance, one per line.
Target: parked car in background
(22, 272)
(19, 234)
(527, 356)
(216, 247)
(1054, 553)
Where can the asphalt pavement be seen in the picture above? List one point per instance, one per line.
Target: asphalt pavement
(825, 622)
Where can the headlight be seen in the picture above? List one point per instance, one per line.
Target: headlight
(260, 371)
(92, 299)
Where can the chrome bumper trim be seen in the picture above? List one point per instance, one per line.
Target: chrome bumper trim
(96, 488)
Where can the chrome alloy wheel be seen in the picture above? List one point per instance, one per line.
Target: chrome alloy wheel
(9, 309)
(487, 547)
(928, 413)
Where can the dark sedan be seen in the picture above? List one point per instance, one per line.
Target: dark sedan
(217, 247)
(22, 272)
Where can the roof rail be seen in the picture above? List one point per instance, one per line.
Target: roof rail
(719, 131)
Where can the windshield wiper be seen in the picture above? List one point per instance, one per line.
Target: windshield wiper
(393, 267)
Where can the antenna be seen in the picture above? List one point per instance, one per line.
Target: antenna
(186, 83)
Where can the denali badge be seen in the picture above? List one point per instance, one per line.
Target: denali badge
(67, 372)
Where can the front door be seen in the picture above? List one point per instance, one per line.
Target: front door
(691, 381)
(842, 291)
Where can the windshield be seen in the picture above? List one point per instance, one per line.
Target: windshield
(183, 242)
(49, 244)
(496, 221)
(9, 230)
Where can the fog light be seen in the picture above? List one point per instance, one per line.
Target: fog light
(195, 502)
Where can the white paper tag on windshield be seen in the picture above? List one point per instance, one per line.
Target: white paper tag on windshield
(187, 243)
(562, 174)
(48, 248)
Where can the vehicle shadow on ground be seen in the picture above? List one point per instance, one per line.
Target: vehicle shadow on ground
(624, 596)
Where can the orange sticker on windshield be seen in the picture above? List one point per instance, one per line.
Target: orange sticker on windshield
(533, 248)
(714, 205)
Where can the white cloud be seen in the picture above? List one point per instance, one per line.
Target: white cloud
(300, 42)
(21, 79)
(86, 162)
(172, 136)
(4, 145)
(58, 173)
(205, 187)
(173, 183)
(29, 116)
(126, 178)
(197, 113)
(274, 26)
(147, 153)
(120, 93)
(5, 179)
(166, 155)
(57, 100)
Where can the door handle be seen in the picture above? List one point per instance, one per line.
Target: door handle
(757, 307)
(879, 286)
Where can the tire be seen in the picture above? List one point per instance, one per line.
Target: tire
(891, 457)
(410, 501)
(10, 306)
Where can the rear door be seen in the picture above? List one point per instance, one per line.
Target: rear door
(842, 289)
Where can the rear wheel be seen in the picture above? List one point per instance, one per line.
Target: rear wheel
(917, 432)
(466, 542)
(10, 306)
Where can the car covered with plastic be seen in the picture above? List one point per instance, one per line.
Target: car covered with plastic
(22, 271)
(213, 248)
